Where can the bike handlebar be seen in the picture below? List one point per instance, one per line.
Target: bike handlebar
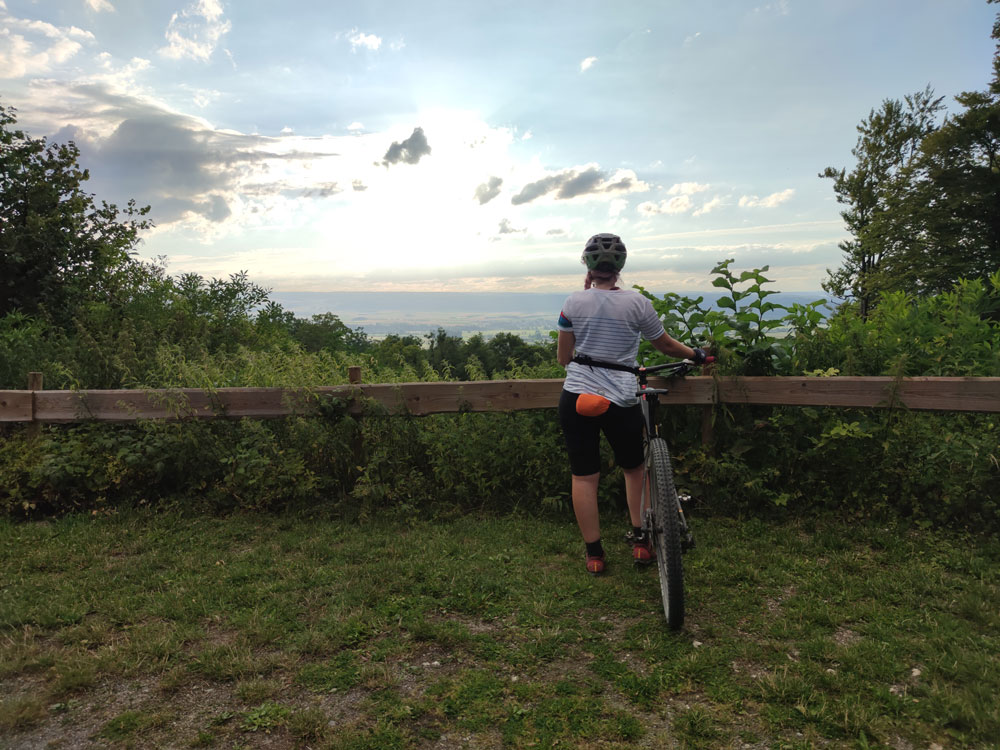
(682, 364)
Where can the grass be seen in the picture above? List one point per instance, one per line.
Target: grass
(160, 630)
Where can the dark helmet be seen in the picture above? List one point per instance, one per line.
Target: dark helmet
(604, 252)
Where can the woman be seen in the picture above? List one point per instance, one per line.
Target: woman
(604, 322)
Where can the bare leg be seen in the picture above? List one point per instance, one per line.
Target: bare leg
(633, 492)
(585, 506)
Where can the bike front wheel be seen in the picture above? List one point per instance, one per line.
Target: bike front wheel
(665, 528)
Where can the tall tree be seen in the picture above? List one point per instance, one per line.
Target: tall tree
(57, 247)
(956, 194)
(888, 144)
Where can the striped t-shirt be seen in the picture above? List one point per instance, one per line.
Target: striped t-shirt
(606, 325)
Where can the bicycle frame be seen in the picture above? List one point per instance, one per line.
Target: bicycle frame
(649, 398)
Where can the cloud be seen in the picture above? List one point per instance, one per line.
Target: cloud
(587, 63)
(679, 204)
(321, 190)
(100, 5)
(177, 163)
(358, 186)
(355, 127)
(123, 77)
(194, 33)
(681, 201)
(488, 190)
(771, 201)
(687, 188)
(709, 206)
(507, 228)
(779, 8)
(368, 41)
(30, 48)
(573, 183)
(409, 151)
(688, 41)
(214, 208)
(699, 257)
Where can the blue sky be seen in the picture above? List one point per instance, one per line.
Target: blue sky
(464, 146)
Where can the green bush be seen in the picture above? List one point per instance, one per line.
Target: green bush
(935, 468)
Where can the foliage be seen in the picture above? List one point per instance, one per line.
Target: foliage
(741, 330)
(58, 249)
(327, 332)
(939, 468)
(950, 334)
(477, 358)
(887, 149)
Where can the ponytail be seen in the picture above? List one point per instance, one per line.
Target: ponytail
(596, 276)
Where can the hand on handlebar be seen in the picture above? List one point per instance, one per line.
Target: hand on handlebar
(701, 357)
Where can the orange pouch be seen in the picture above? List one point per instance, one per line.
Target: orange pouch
(591, 405)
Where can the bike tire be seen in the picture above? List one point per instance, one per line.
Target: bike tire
(666, 531)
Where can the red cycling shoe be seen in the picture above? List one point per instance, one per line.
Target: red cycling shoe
(595, 565)
(642, 548)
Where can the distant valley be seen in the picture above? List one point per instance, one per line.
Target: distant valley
(529, 315)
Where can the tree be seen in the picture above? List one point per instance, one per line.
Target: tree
(445, 351)
(888, 145)
(923, 200)
(954, 202)
(57, 247)
(395, 350)
(957, 192)
(327, 331)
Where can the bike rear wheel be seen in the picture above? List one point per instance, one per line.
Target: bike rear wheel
(665, 528)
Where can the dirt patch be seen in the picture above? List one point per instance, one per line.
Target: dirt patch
(473, 624)
(751, 669)
(845, 637)
(774, 605)
(74, 720)
(460, 741)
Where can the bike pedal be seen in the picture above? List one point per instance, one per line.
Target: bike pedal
(684, 498)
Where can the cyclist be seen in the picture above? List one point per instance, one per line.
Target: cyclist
(604, 322)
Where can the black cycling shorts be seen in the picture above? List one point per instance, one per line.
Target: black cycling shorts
(622, 427)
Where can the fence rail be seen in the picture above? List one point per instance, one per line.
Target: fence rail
(39, 406)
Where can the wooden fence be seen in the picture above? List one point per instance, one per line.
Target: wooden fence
(36, 405)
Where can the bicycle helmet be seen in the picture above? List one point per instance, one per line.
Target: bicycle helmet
(604, 252)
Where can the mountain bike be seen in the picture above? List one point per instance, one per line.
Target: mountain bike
(661, 508)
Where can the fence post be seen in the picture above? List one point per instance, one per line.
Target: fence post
(34, 384)
(706, 427)
(354, 375)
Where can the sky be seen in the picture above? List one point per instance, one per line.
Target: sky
(474, 146)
